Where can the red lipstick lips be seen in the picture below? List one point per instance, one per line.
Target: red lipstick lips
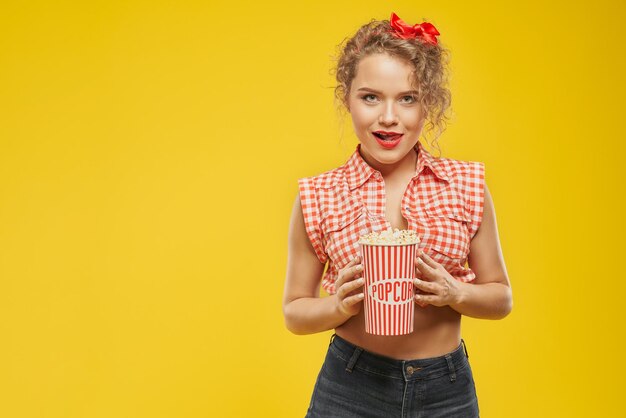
(386, 139)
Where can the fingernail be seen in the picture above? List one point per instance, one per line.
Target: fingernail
(360, 281)
(359, 267)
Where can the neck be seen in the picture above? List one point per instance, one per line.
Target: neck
(401, 169)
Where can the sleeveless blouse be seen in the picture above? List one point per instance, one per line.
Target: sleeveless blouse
(443, 203)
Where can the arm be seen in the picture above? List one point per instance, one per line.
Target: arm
(489, 296)
(304, 311)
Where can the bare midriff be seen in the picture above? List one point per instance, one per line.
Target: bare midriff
(436, 331)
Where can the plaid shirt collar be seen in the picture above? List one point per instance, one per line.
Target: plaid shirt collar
(358, 171)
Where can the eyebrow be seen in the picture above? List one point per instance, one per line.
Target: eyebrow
(376, 91)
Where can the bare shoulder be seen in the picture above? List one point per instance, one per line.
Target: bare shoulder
(485, 257)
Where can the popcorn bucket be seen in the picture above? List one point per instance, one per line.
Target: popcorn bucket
(389, 270)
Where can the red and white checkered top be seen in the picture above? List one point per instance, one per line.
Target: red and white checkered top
(444, 204)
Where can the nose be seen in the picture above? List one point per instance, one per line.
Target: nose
(388, 115)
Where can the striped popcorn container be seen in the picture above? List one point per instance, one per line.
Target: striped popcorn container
(389, 271)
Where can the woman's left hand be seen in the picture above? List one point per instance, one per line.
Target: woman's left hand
(442, 288)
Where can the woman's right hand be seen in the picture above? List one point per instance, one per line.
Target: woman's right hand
(349, 287)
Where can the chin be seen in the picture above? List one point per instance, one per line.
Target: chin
(390, 156)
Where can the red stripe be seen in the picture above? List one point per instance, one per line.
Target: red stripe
(396, 308)
(372, 280)
(400, 266)
(365, 299)
(368, 280)
(378, 265)
(404, 274)
(409, 305)
(391, 265)
(402, 310)
(387, 263)
(366, 287)
(387, 315)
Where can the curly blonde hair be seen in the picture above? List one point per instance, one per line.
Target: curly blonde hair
(430, 75)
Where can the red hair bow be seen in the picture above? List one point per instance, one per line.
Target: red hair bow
(426, 31)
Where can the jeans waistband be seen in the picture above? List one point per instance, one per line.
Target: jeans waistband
(416, 369)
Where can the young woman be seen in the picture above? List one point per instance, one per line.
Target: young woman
(392, 80)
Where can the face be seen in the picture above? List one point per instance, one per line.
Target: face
(381, 101)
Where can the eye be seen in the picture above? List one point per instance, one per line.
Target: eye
(412, 99)
(366, 96)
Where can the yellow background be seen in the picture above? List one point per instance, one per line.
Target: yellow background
(149, 156)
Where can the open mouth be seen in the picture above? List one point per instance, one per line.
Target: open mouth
(387, 137)
(388, 140)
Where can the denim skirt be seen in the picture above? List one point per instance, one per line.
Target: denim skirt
(354, 382)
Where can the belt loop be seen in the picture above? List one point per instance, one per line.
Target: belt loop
(465, 348)
(451, 367)
(357, 352)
